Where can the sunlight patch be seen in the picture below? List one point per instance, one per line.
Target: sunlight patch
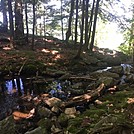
(45, 50)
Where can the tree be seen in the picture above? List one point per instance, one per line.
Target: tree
(76, 22)
(94, 25)
(82, 30)
(11, 20)
(33, 36)
(68, 33)
(86, 22)
(19, 28)
(27, 33)
(62, 30)
(4, 11)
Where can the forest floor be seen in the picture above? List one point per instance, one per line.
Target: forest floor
(111, 112)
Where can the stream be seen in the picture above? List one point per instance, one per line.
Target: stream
(12, 90)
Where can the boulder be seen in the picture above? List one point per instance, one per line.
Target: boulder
(38, 130)
(7, 126)
(53, 102)
(44, 112)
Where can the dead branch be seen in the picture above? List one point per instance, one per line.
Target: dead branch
(88, 97)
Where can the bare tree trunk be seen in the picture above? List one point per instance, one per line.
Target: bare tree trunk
(90, 23)
(94, 25)
(19, 27)
(27, 33)
(76, 22)
(33, 35)
(82, 29)
(86, 23)
(5, 22)
(62, 21)
(68, 33)
(133, 33)
(11, 20)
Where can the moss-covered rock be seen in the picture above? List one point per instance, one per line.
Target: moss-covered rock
(7, 126)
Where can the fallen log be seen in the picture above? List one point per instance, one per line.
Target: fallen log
(85, 98)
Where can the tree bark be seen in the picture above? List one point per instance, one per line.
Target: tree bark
(11, 21)
(76, 22)
(94, 25)
(33, 34)
(82, 29)
(86, 23)
(5, 22)
(62, 30)
(90, 23)
(27, 33)
(19, 28)
(68, 33)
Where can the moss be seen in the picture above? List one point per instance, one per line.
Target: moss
(94, 113)
(63, 120)
(74, 125)
(45, 123)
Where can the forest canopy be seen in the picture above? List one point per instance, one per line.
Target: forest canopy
(82, 21)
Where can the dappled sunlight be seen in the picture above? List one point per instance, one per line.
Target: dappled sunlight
(54, 52)
(49, 51)
(50, 64)
(84, 52)
(58, 56)
(49, 41)
(6, 48)
(45, 50)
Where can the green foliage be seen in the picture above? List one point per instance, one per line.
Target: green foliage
(126, 49)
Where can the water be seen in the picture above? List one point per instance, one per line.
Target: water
(12, 86)
(10, 91)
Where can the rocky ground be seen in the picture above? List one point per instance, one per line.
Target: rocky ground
(91, 95)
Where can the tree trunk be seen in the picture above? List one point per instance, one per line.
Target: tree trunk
(68, 33)
(82, 31)
(86, 23)
(33, 36)
(19, 28)
(27, 33)
(5, 22)
(62, 30)
(11, 21)
(76, 22)
(94, 25)
(90, 23)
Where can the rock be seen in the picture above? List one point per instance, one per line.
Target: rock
(45, 123)
(53, 102)
(98, 74)
(108, 81)
(116, 69)
(63, 120)
(112, 61)
(38, 130)
(44, 112)
(55, 130)
(70, 111)
(129, 78)
(7, 126)
(89, 59)
(55, 109)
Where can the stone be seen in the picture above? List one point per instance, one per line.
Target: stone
(70, 111)
(53, 102)
(44, 112)
(7, 126)
(38, 130)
